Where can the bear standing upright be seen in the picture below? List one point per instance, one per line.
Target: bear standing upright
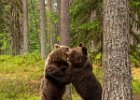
(83, 79)
(56, 66)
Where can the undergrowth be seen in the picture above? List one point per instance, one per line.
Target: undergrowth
(20, 77)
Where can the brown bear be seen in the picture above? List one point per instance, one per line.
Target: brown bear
(55, 67)
(82, 77)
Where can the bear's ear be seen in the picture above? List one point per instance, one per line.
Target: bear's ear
(56, 46)
(81, 44)
(84, 50)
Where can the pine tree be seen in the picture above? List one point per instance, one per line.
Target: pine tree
(116, 61)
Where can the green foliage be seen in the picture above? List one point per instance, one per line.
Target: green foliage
(135, 4)
(34, 25)
(135, 55)
(4, 33)
(136, 86)
(20, 77)
(83, 28)
(96, 57)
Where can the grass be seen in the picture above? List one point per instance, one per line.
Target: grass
(136, 80)
(20, 77)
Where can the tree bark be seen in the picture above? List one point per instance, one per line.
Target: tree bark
(116, 61)
(15, 28)
(49, 25)
(65, 23)
(58, 14)
(42, 28)
(25, 27)
(65, 34)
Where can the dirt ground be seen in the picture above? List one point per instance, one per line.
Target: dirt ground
(136, 96)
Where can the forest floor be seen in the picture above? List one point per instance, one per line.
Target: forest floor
(20, 78)
(136, 97)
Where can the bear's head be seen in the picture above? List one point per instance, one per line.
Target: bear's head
(78, 56)
(58, 56)
(59, 53)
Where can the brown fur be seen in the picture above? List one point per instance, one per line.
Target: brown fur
(55, 80)
(51, 91)
(83, 79)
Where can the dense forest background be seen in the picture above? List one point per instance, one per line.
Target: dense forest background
(29, 29)
(86, 26)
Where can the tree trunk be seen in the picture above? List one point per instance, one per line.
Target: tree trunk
(65, 23)
(25, 27)
(42, 28)
(93, 17)
(116, 61)
(65, 34)
(58, 14)
(21, 31)
(49, 25)
(15, 29)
